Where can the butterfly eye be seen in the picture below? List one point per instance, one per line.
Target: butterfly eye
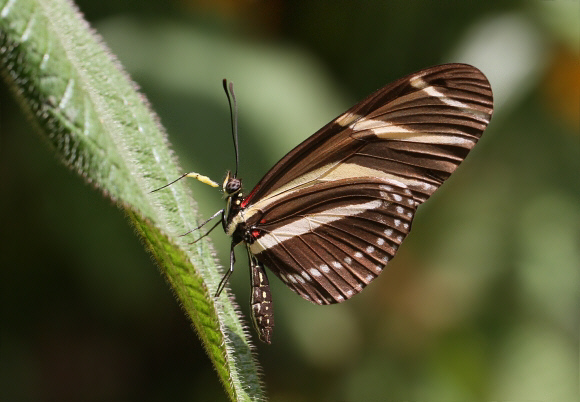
(233, 186)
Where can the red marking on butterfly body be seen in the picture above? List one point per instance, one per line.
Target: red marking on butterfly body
(249, 197)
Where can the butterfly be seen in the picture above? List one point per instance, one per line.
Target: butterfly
(332, 213)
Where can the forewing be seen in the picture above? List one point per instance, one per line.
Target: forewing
(414, 131)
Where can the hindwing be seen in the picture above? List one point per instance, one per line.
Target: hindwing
(328, 241)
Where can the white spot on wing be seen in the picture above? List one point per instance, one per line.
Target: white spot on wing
(388, 232)
(336, 264)
(370, 249)
(397, 222)
(380, 241)
(348, 260)
(358, 254)
(306, 276)
(397, 197)
(315, 272)
(369, 278)
(324, 268)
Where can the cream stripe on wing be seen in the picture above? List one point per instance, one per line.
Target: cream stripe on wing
(386, 130)
(368, 124)
(347, 118)
(327, 173)
(421, 84)
(309, 223)
(352, 170)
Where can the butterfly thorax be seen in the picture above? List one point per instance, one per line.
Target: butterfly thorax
(234, 223)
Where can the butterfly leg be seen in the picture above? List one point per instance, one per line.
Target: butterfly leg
(229, 273)
(221, 211)
(261, 300)
(206, 233)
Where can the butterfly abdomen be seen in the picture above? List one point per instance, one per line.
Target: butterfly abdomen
(261, 301)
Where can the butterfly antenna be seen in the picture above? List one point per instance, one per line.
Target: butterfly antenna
(201, 178)
(233, 118)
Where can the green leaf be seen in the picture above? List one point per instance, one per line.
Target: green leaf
(90, 113)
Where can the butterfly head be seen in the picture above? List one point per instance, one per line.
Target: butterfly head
(231, 186)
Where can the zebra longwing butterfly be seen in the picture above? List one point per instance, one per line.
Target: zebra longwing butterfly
(331, 214)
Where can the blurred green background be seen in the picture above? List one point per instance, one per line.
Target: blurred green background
(482, 301)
